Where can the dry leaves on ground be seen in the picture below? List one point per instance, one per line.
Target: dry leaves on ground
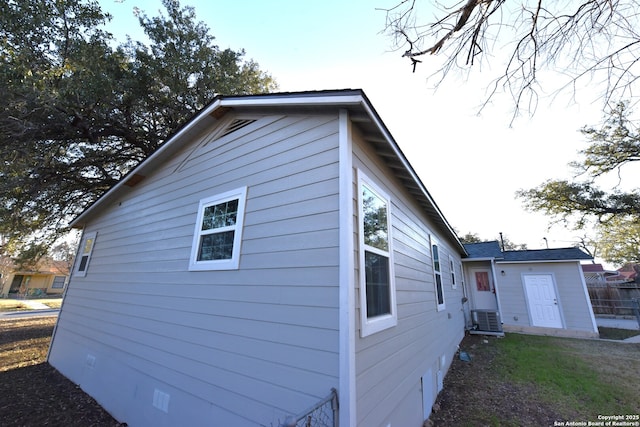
(33, 393)
(474, 395)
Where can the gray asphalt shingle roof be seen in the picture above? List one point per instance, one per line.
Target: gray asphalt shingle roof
(483, 249)
(492, 250)
(556, 254)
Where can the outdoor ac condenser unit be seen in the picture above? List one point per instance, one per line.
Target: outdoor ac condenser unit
(486, 320)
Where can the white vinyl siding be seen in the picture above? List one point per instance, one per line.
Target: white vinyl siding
(377, 278)
(218, 232)
(241, 347)
(390, 364)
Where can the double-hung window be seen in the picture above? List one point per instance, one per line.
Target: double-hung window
(218, 232)
(437, 273)
(377, 285)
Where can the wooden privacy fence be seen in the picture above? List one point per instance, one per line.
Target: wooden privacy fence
(615, 307)
(613, 298)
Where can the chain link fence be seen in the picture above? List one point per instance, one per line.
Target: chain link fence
(322, 414)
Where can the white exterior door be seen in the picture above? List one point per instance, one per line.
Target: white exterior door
(542, 300)
(483, 289)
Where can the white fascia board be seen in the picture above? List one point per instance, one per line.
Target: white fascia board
(538, 261)
(478, 259)
(309, 100)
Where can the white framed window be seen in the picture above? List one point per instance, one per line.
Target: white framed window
(86, 249)
(454, 277)
(377, 283)
(218, 232)
(437, 273)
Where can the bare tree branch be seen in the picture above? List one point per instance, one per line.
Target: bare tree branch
(579, 41)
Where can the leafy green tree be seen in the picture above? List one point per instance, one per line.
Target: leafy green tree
(79, 111)
(619, 240)
(471, 238)
(504, 242)
(182, 69)
(375, 220)
(614, 213)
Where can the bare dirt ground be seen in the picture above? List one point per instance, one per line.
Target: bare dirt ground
(32, 393)
(479, 393)
(476, 393)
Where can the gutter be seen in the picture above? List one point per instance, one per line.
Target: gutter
(540, 261)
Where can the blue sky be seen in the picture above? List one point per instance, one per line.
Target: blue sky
(471, 164)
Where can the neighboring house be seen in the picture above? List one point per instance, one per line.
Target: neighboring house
(532, 291)
(595, 275)
(275, 247)
(47, 277)
(630, 272)
(612, 292)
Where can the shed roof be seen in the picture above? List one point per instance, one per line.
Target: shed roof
(361, 113)
(491, 250)
(556, 254)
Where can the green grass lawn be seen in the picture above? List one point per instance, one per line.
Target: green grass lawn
(586, 378)
(617, 334)
(19, 305)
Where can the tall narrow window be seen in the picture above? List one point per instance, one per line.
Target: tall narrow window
(218, 232)
(377, 285)
(437, 274)
(85, 254)
(452, 266)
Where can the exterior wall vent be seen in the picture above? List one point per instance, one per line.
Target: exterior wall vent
(235, 125)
